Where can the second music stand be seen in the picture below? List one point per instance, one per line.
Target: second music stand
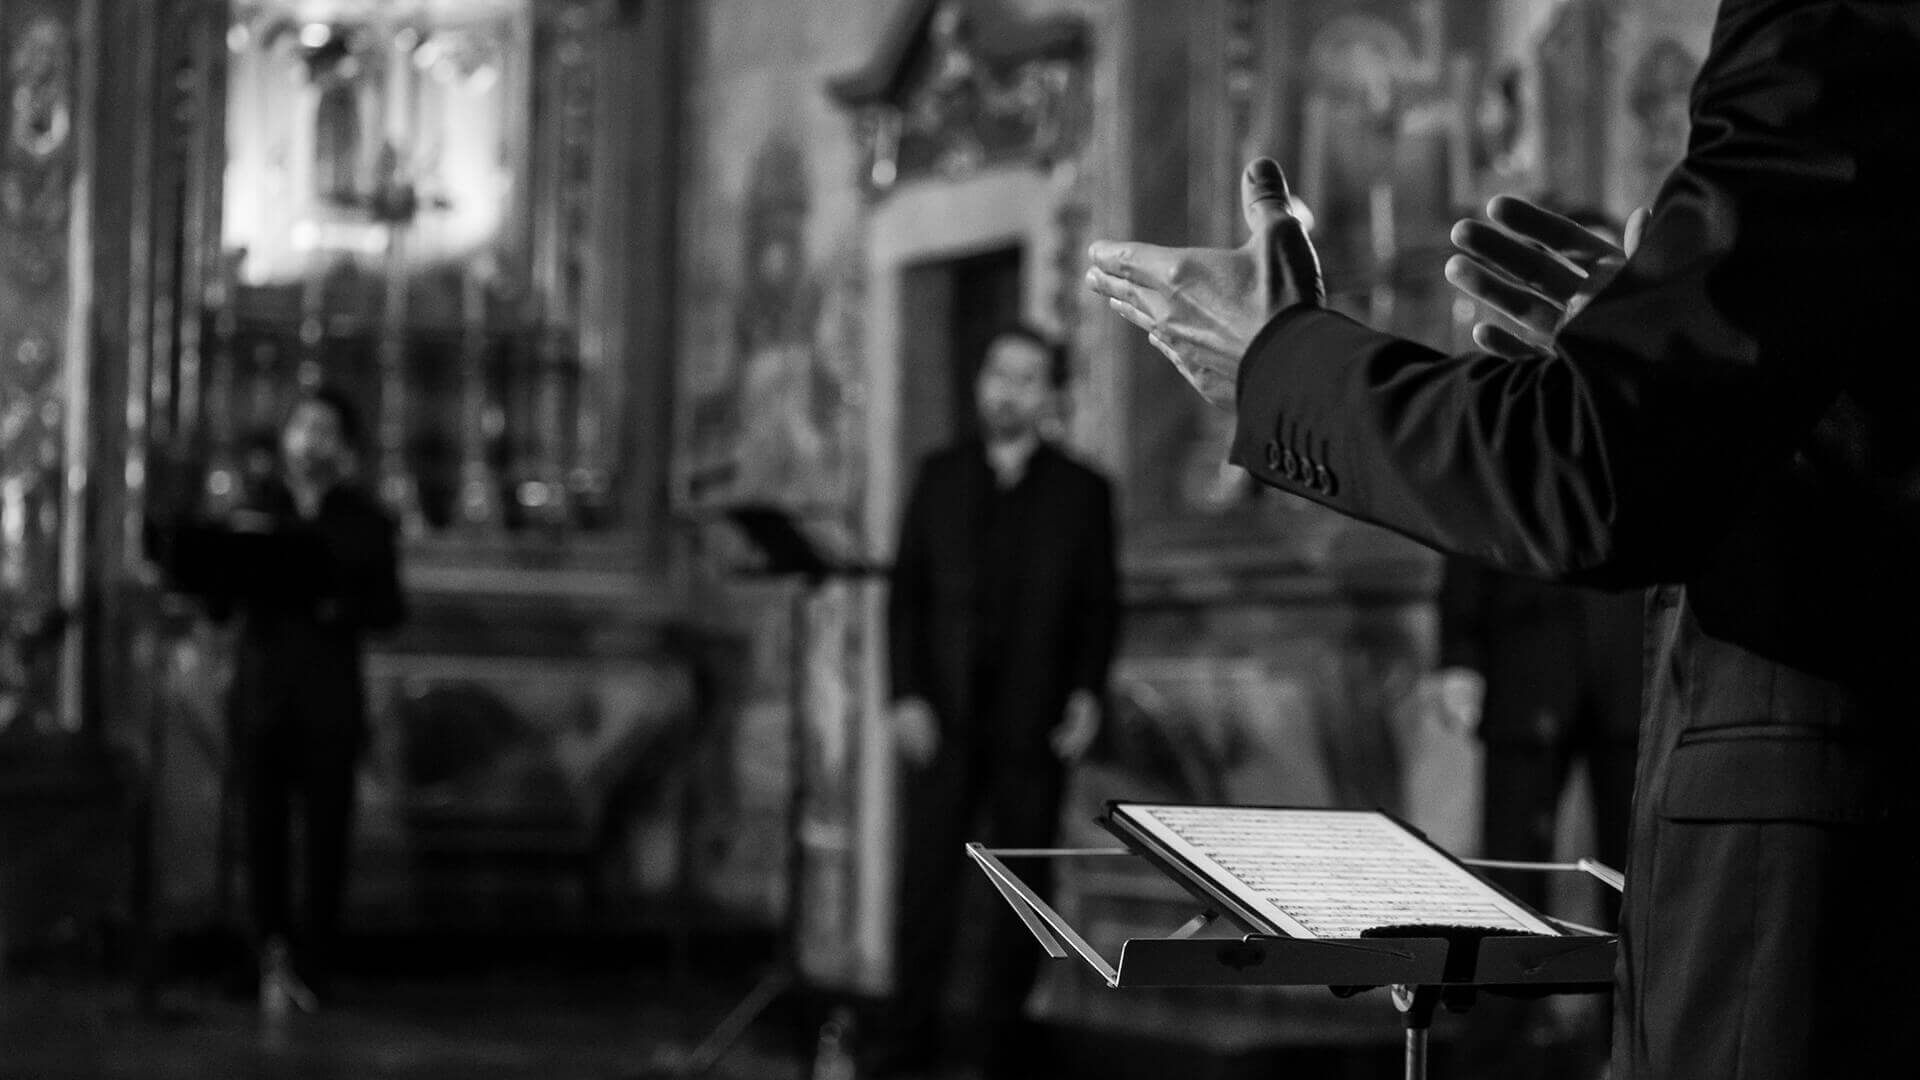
(786, 551)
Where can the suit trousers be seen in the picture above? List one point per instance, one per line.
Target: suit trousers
(943, 801)
(290, 767)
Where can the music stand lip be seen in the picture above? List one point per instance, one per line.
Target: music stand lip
(1042, 921)
(1536, 962)
(788, 549)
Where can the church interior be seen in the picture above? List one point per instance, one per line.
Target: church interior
(629, 294)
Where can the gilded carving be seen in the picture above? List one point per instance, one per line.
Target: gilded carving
(33, 190)
(40, 114)
(36, 139)
(967, 89)
(30, 359)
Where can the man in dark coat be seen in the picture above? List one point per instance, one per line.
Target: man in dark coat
(1728, 416)
(1557, 675)
(1002, 620)
(308, 564)
(1548, 676)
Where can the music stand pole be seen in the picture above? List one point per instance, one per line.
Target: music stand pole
(1416, 1011)
(784, 975)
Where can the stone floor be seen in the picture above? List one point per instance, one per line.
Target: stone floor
(504, 1027)
(494, 1028)
(527, 1021)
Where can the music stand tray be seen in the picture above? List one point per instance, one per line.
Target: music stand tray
(1418, 966)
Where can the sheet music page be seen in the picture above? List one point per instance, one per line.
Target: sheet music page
(1329, 873)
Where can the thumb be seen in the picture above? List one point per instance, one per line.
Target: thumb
(1264, 197)
(1636, 229)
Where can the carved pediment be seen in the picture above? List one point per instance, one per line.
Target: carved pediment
(956, 84)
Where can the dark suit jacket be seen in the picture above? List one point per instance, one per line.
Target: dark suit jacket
(1735, 418)
(1062, 631)
(306, 593)
(1562, 664)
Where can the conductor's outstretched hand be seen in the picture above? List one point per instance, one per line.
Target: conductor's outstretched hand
(1534, 267)
(1202, 306)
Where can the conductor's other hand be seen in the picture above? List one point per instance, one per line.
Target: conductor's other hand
(1453, 698)
(1534, 267)
(916, 730)
(1077, 728)
(1201, 307)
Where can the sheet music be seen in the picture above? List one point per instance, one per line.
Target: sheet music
(1328, 873)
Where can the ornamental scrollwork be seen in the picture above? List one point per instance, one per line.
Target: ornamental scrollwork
(959, 86)
(34, 161)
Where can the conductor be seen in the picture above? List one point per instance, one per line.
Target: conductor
(1727, 416)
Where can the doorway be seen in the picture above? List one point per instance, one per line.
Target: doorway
(951, 308)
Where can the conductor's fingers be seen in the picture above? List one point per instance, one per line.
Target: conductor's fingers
(1527, 263)
(1132, 314)
(1500, 341)
(1119, 290)
(1130, 260)
(1145, 322)
(1556, 231)
(1264, 197)
(1532, 312)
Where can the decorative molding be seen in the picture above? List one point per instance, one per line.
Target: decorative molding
(36, 160)
(580, 478)
(39, 109)
(958, 84)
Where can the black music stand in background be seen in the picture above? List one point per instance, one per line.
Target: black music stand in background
(786, 552)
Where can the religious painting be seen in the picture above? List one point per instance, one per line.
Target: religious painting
(1385, 136)
(771, 423)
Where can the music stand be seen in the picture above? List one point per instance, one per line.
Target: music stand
(1419, 970)
(786, 552)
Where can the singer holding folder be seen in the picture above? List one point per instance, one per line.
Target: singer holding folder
(1731, 416)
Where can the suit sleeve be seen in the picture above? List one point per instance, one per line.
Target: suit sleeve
(907, 600)
(1621, 457)
(1096, 596)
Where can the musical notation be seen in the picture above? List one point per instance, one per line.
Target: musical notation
(1329, 873)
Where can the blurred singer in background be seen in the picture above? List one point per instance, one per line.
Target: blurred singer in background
(1002, 624)
(308, 565)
